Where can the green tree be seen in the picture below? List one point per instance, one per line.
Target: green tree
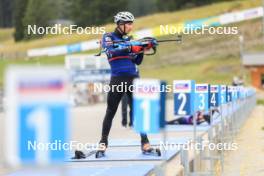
(19, 13)
(94, 12)
(142, 7)
(6, 13)
(39, 13)
(64, 8)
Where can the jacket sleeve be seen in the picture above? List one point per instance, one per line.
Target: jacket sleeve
(111, 49)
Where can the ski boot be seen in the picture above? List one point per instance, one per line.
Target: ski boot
(148, 150)
(124, 123)
(101, 150)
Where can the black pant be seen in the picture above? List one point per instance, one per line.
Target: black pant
(125, 103)
(113, 99)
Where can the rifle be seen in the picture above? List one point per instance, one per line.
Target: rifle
(144, 42)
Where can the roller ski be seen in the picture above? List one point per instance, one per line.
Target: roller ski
(100, 154)
(81, 155)
(148, 150)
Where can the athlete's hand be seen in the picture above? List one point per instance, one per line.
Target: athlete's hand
(151, 43)
(136, 49)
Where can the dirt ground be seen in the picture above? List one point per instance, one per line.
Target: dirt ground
(248, 160)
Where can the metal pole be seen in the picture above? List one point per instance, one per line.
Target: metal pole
(211, 141)
(241, 48)
(222, 133)
(185, 160)
(229, 106)
(194, 141)
(164, 152)
(232, 121)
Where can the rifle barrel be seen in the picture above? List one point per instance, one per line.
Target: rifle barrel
(166, 40)
(169, 40)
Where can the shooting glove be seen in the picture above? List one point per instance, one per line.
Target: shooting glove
(136, 49)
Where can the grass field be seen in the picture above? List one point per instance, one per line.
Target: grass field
(211, 70)
(6, 35)
(260, 102)
(205, 58)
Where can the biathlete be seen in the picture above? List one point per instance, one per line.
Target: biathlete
(123, 59)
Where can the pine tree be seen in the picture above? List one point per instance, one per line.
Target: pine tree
(39, 13)
(6, 13)
(95, 12)
(19, 13)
